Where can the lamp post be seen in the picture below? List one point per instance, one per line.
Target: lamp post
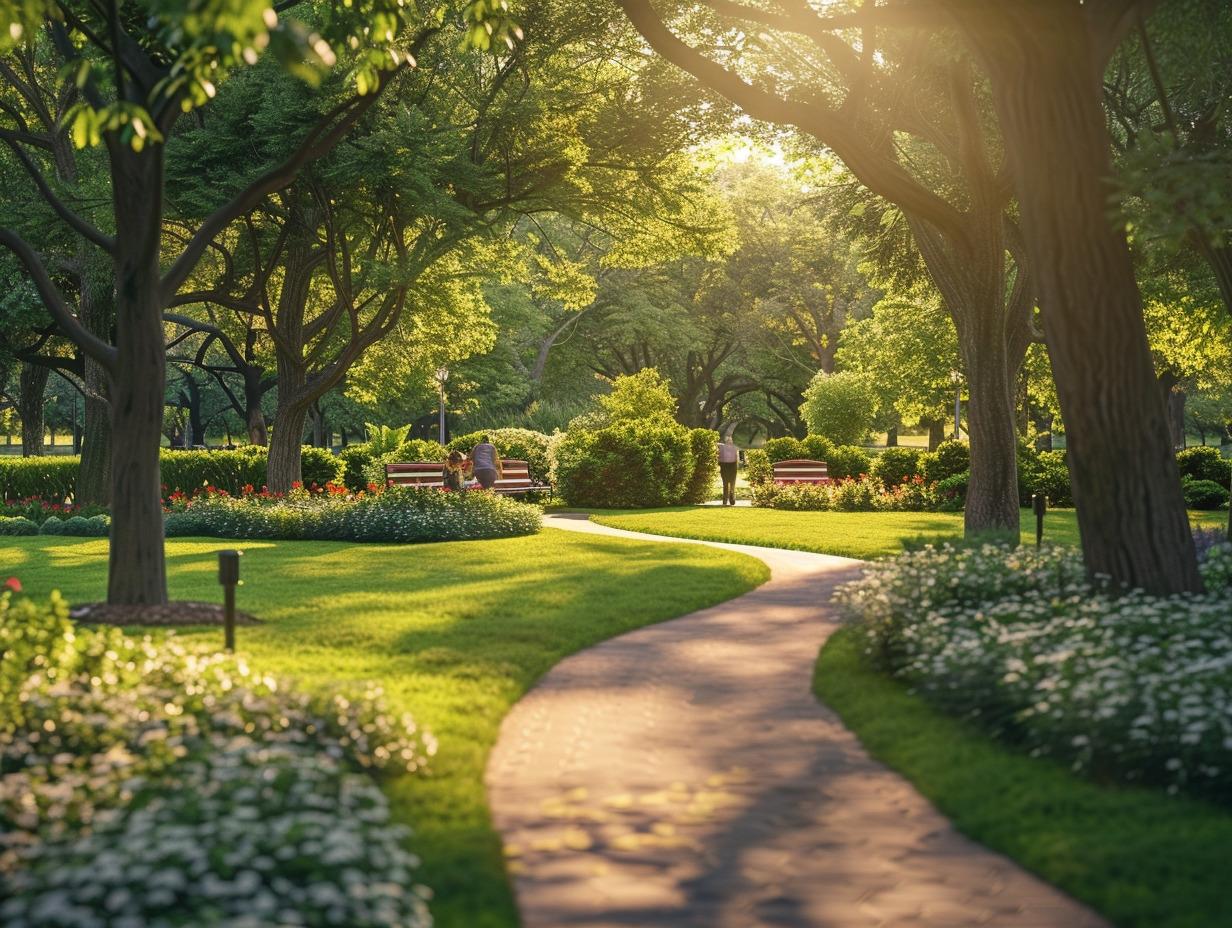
(441, 376)
(956, 378)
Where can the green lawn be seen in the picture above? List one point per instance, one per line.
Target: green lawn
(863, 535)
(1143, 858)
(455, 633)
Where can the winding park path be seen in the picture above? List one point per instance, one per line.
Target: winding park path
(685, 775)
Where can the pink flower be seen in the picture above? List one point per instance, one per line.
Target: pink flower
(13, 584)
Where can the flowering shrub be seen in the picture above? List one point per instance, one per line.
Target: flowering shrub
(394, 514)
(141, 784)
(849, 495)
(1127, 686)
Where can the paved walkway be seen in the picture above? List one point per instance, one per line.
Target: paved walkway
(685, 775)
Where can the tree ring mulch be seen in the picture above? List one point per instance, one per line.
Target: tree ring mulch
(160, 614)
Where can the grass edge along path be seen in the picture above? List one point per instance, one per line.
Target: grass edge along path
(454, 632)
(1140, 857)
(863, 535)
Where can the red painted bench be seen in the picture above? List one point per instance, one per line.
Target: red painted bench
(800, 471)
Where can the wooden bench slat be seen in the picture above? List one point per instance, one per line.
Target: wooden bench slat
(800, 471)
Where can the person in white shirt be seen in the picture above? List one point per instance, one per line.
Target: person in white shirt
(729, 460)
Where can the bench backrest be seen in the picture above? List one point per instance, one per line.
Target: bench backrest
(800, 471)
(415, 474)
(514, 478)
(515, 475)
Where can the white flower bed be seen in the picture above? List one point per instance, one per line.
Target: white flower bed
(1133, 686)
(144, 786)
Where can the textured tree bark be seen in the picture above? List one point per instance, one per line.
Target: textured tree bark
(97, 312)
(892, 437)
(1045, 75)
(285, 458)
(137, 565)
(31, 390)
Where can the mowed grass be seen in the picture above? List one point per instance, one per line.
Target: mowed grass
(455, 633)
(1142, 858)
(865, 535)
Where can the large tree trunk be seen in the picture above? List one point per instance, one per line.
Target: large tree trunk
(137, 565)
(285, 460)
(1045, 77)
(32, 390)
(97, 311)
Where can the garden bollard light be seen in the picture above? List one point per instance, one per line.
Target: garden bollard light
(229, 577)
(1039, 505)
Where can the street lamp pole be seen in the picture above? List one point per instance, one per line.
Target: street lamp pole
(956, 379)
(441, 376)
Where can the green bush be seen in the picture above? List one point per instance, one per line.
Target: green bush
(950, 458)
(952, 492)
(624, 466)
(785, 449)
(848, 461)
(355, 460)
(700, 487)
(77, 526)
(1204, 494)
(757, 469)
(319, 466)
(463, 443)
(17, 525)
(1205, 464)
(53, 479)
(188, 471)
(395, 514)
(1051, 478)
(817, 448)
(840, 406)
(894, 465)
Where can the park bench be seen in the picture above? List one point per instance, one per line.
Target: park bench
(800, 471)
(515, 477)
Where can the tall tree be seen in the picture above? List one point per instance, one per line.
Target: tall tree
(132, 79)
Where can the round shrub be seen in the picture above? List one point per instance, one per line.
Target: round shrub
(1051, 478)
(952, 492)
(894, 465)
(463, 443)
(17, 525)
(77, 526)
(1204, 494)
(319, 466)
(848, 461)
(784, 449)
(1205, 464)
(705, 447)
(816, 448)
(624, 466)
(840, 406)
(950, 458)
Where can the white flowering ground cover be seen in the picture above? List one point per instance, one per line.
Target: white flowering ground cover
(1133, 687)
(143, 786)
(394, 514)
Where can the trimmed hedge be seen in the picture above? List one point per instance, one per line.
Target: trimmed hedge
(77, 526)
(53, 479)
(894, 465)
(1204, 494)
(700, 487)
(17, 525)
(625, 466)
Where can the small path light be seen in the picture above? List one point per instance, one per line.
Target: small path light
(1039, 505)
(229, 577)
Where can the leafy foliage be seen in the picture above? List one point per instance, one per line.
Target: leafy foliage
(705, 449)
(628, 465)
(894, 465)
(840, 406)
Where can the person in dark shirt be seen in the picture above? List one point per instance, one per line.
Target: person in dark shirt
(729, 461)
(485, 464)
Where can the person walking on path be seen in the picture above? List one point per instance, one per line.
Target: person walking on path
(729, 460)
(485, 464)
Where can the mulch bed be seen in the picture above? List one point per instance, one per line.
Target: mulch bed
(163, 614)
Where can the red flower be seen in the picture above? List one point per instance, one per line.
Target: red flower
(297, 485)
(13, 584)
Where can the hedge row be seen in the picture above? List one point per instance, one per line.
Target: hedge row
(54, 479)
